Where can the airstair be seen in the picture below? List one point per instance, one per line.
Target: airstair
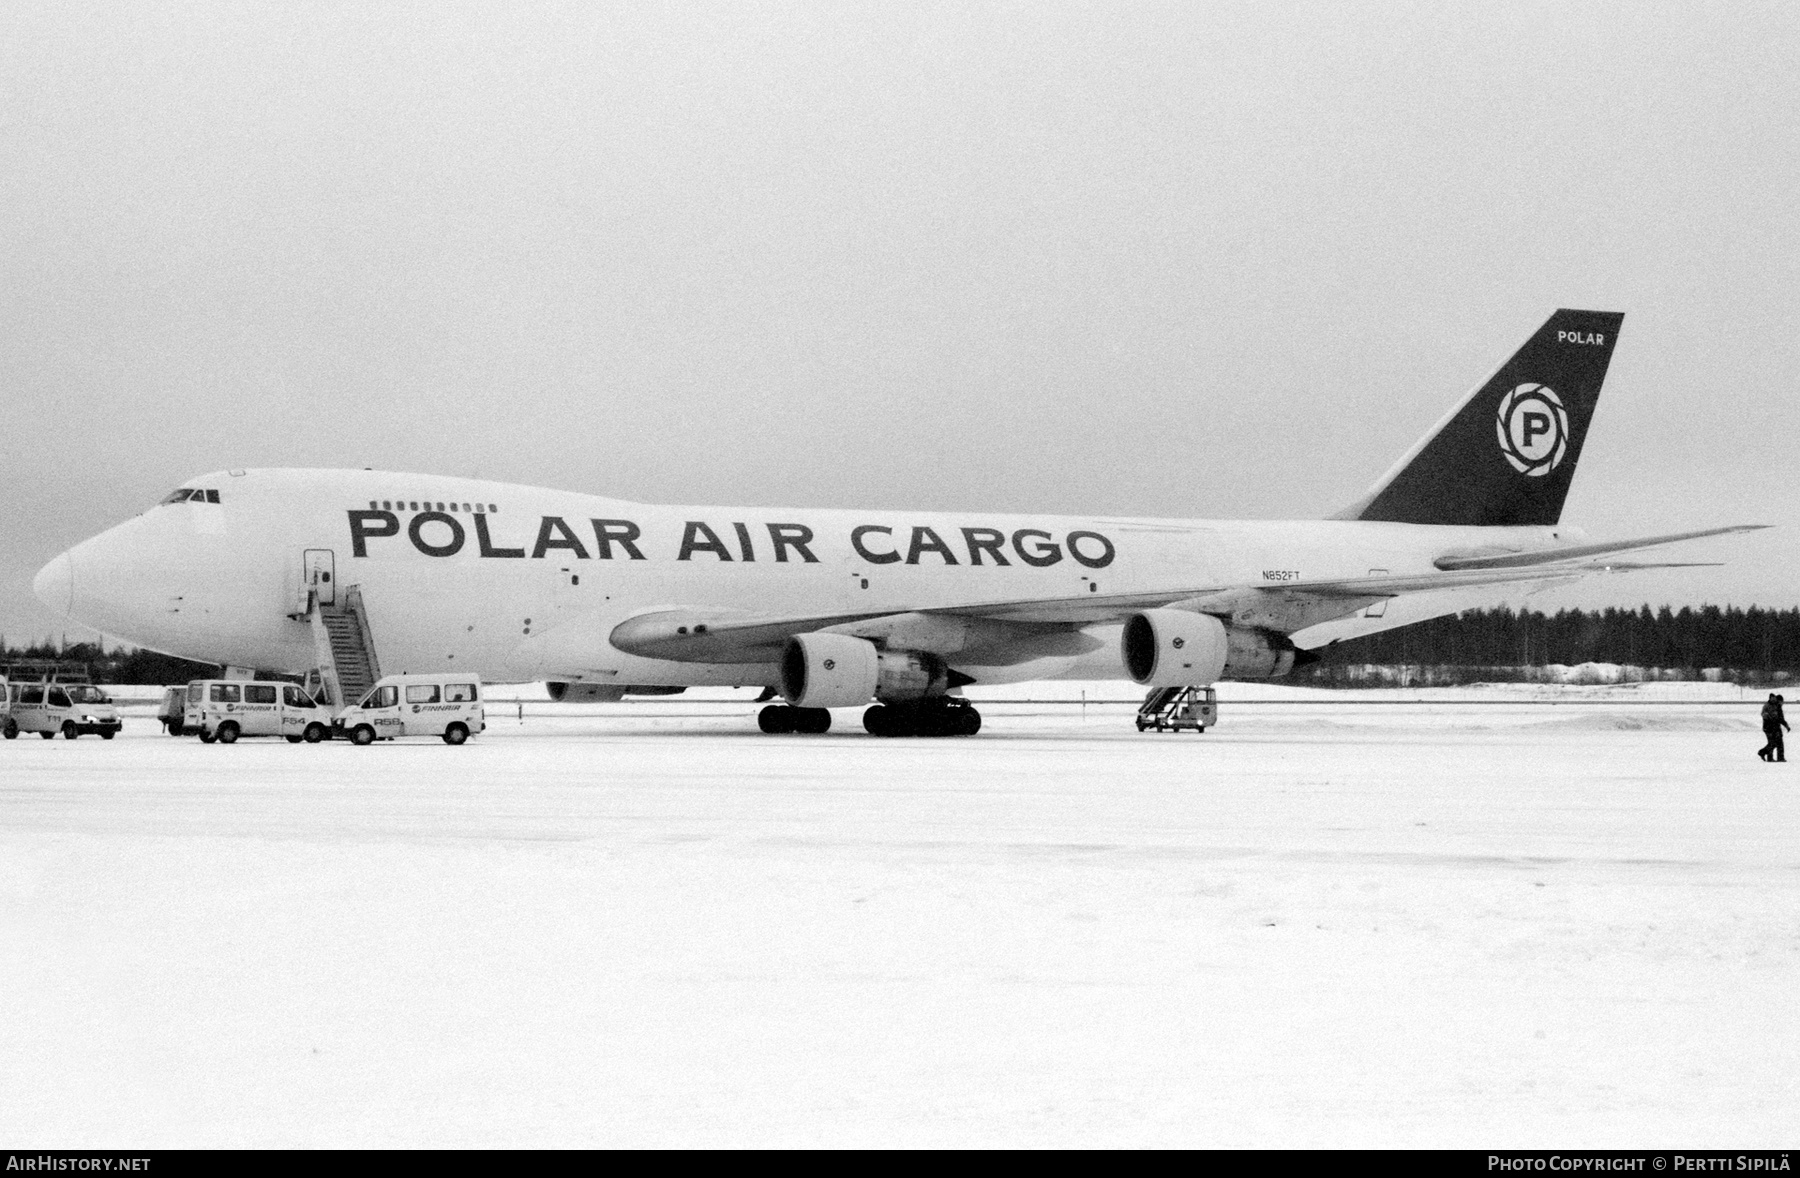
(346, 649)
(1178, 709)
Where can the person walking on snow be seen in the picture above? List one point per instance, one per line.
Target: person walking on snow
(1773, 723)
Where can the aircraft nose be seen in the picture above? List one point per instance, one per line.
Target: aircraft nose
(55, 585)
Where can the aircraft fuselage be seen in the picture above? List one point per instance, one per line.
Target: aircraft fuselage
(522, 583)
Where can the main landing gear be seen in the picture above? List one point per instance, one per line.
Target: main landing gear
(944, 716)
(778, 718)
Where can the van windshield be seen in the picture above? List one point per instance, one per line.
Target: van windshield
(87, 694)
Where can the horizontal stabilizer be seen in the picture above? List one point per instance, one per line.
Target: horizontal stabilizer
(1519, 560)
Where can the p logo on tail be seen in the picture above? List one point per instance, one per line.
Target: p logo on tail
(1505, 455)
(1533, 428)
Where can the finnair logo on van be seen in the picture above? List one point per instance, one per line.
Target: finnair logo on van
(1533, 429)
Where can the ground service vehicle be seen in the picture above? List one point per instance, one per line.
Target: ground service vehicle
(1179, 709)
(50, 697)
(170, 711)
(225, 709)
(447, 706)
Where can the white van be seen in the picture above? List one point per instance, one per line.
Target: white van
(225, 709)
(447, 706)
(48, 706)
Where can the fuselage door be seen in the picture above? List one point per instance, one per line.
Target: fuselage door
(1380, 607)
(321, 575)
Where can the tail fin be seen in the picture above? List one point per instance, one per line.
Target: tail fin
(1504, 456)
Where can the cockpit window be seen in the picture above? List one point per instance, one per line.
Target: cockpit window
(191, 495)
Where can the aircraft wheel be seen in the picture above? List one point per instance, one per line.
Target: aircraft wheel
(971, 722)
(228, 733)
(876, 721)
(456, 734)
(68, 730)
(898, 720)
(314, 733)
(776, 719)
(363, 734)
(10, 729)
(812, 721)
(107, 735)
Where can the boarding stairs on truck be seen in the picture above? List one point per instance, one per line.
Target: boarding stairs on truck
(1179, 709)
(343, 643)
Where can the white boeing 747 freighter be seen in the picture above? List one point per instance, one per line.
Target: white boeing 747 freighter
(354, 572)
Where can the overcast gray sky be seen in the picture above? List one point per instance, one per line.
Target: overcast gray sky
(1111, 258)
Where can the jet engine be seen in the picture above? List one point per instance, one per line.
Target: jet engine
(838, 671)
(829, 671)
(1174, 648)
(1257, 654)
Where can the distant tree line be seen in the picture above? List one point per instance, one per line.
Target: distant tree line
(120, 665)
(1753, 643)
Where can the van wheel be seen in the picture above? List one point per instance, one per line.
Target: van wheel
(10, 729)
(228, 733)
(314, 733)
(68, 730)
(48, 735)
(293, 739)
(206, 737)
(363, 734)
(456, 734)
(175, 728)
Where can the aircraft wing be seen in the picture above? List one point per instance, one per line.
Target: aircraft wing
(1039, 627)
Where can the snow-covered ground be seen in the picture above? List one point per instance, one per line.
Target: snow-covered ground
(1560, 917)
